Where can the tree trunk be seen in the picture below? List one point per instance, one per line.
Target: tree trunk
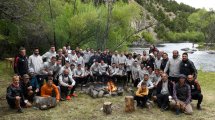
(107, 107)
(129, 104)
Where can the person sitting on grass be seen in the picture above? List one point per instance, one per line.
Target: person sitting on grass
(50, 89)
(149, 84)
(195, 90)
(15, 97)
(34, 81)
(182, 96)
(164, 90)
(67, 85)
(141, 95)
(26, 88)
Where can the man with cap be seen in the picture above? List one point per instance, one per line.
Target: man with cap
(182, 96)
(164, 90)
(195, 90)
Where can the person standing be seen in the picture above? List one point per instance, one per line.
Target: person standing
(173, 66)
(187, 67)
(128, 65)
(35, 61)
(164, 61)
(48, 55)
(21, 62)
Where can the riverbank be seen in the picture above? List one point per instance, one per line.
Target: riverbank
(84, 107)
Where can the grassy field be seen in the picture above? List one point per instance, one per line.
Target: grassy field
(84, 107)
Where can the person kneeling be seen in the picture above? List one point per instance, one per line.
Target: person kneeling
(142, 95)
(15, 97)
(67, 85)
(195, 90)
(182, 96)
(164, 91)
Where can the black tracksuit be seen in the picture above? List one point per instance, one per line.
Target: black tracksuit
(21, 65)
(195, 91)
(187, 68)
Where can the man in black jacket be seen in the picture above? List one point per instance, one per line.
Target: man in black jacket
(187, 67)
(15, 97)
(21, 63)
(195, 90)
(164, 90)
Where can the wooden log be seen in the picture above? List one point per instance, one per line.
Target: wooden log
(101, 93)
(129, 104)
(107, 108)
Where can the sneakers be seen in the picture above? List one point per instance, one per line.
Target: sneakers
(74, 95)
(20, 110)
(199, 107)
(68, 97)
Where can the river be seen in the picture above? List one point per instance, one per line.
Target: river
(202, 60)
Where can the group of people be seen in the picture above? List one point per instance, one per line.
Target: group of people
(166, 81)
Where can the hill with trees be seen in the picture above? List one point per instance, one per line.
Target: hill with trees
(99, 24)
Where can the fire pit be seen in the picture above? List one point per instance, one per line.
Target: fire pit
(108, 90)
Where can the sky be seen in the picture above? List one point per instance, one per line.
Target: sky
(207, 4)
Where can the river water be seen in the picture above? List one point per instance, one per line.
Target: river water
(202, 60)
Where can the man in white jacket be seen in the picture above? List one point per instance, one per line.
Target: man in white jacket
(128, 64)
(48, 55)
(67, 85)
(35, 61)
(115, 58)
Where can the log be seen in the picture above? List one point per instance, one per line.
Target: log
(129, 104)
(101, 93)
(94, 93)
(107, 107)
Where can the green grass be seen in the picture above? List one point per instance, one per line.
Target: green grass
(84, 107)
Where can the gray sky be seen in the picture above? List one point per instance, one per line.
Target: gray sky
(207, 4)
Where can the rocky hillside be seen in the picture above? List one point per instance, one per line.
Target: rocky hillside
(162, 16)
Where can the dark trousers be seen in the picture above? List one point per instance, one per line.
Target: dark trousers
(162, 100)
(13, 103)
(129, 76)
(65, 91)
(102, 77)
(96, 77)
(136, 82)
(80, 81)
(197, 96)
(141, 100)
(173, 79)
(121, 79)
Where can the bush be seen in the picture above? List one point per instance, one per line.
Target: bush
(148, 37)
